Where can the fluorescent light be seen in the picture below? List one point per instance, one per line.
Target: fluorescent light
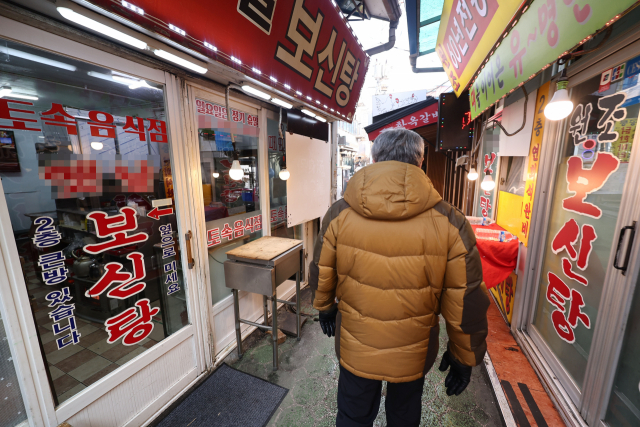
(281, 103)
(273, 79)
(124, 80)
(287, 86)
(210, 46)
(236, 60)
(136, 9)
(308, 113)
(322, 119)
(40, 59)
(16, 95)
(332, 110)
(101, 28)
(177, 60)
(96, 145)
(298, 93)
(325, 106)
(255, 70)
(5, 90)
(177, 30)
(317, 102)
(256, 92)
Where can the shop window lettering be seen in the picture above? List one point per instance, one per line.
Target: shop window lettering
(579, 122)
(485, 205)
(62, 313)
(488, 163)
(131, 325)
(18, 123)
(60, 118)
(613, 112)
(582, 182)
(129, 283)
(233, 230)
(116, 228)
(170, 269)
(558, 293)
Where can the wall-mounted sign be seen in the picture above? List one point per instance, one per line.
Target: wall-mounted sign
(504, 294)
(468, 31)
(458, 132)
(300, 47)
(426, 116)
(545, 31)
(392, 101)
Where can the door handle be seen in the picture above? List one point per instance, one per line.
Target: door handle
(623, 231)
(190, 261)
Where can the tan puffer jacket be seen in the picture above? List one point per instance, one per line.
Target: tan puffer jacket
(396, 256)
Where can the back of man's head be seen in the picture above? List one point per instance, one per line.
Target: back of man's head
(401, 145)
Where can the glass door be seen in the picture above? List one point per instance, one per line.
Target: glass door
(591, 171)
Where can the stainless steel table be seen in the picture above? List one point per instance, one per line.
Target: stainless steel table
(262, 276)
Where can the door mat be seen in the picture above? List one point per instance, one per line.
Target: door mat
(228, 398)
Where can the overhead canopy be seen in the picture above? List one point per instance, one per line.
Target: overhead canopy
(423, 20)
(386, 10)
(412, 117)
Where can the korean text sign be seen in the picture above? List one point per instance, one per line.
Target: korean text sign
(426, 116)
(468, 31)
(301, 47)
(544, 32)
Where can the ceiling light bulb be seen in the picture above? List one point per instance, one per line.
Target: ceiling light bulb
(5, 90)
(236, 173)
(488, 183)
(560, 105)
(281, 103)
(216, 174)
(308, 113)
(101, 28)
(472, 175)
(177, 60)
(96, 145)
(255, 92)
(284, 174)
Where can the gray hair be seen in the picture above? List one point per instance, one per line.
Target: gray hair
(400, 144)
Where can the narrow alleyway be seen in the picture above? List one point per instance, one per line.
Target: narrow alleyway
(309, 369)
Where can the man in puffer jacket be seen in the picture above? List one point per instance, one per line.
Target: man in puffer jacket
(391, 256)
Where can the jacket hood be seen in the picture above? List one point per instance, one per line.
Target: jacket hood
(390, 190)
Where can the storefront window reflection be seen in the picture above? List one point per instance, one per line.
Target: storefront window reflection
(87, 179)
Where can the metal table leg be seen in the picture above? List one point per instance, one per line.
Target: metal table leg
(298, 302)
(236, 315)
(274, 330)
(266, 311)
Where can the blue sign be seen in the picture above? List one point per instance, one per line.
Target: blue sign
(633, 67)
(223, 141)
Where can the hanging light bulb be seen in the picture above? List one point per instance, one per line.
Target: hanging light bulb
(236, 173)
(216, 174)
(284, 174)
(488, 183)
(560, 105)
(472, 175)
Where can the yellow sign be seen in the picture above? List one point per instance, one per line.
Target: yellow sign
(504, 293)
(532, 164)
(509, 209)
(468, 31)
(621, 148)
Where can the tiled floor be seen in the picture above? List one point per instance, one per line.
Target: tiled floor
(76, 367)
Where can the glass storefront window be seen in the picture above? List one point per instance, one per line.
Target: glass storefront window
(231, 206)
(87, 178)
(591, 173)
(12, 410)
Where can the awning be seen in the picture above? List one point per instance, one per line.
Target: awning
(415, 116)
(423, 21)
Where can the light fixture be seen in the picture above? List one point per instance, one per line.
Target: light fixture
(472, 175)
(236, 173)
(284, 174)
(281, 103)
(560, 105)
(308, 113)
(298, 93)
(20, 96)
(40, 59)
(273, 79)
(322, 119)
(236, 60)
(101, 28)
(255, 70)
(96, 145)
(177, 30)
(177, 60)
(216, 174)
(210, 46)
(488, 183)
(286, 86)
(253, 91)
(130, 6)
(5, 90)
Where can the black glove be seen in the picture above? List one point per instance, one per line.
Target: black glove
(458, 377)
(328, 321)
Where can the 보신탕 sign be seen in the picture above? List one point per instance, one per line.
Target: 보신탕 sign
(468, 31)
(300, 47)
(545, 31)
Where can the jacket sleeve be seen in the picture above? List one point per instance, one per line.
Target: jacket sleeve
(464, 300)
(327, 274)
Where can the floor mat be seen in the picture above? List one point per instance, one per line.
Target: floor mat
(228, 398)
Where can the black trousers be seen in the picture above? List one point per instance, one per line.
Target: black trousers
(359, 401)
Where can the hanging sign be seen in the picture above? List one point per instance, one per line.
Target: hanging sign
(392, 101)
(547, 30)
(533, 163)
(300, 47)
(426, 116)
(468, 31)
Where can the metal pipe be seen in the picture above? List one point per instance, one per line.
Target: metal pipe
(414, 59)
(257, 325)
(388, 45)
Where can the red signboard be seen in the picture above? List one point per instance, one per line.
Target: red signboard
(300, 47)
(426, 116)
